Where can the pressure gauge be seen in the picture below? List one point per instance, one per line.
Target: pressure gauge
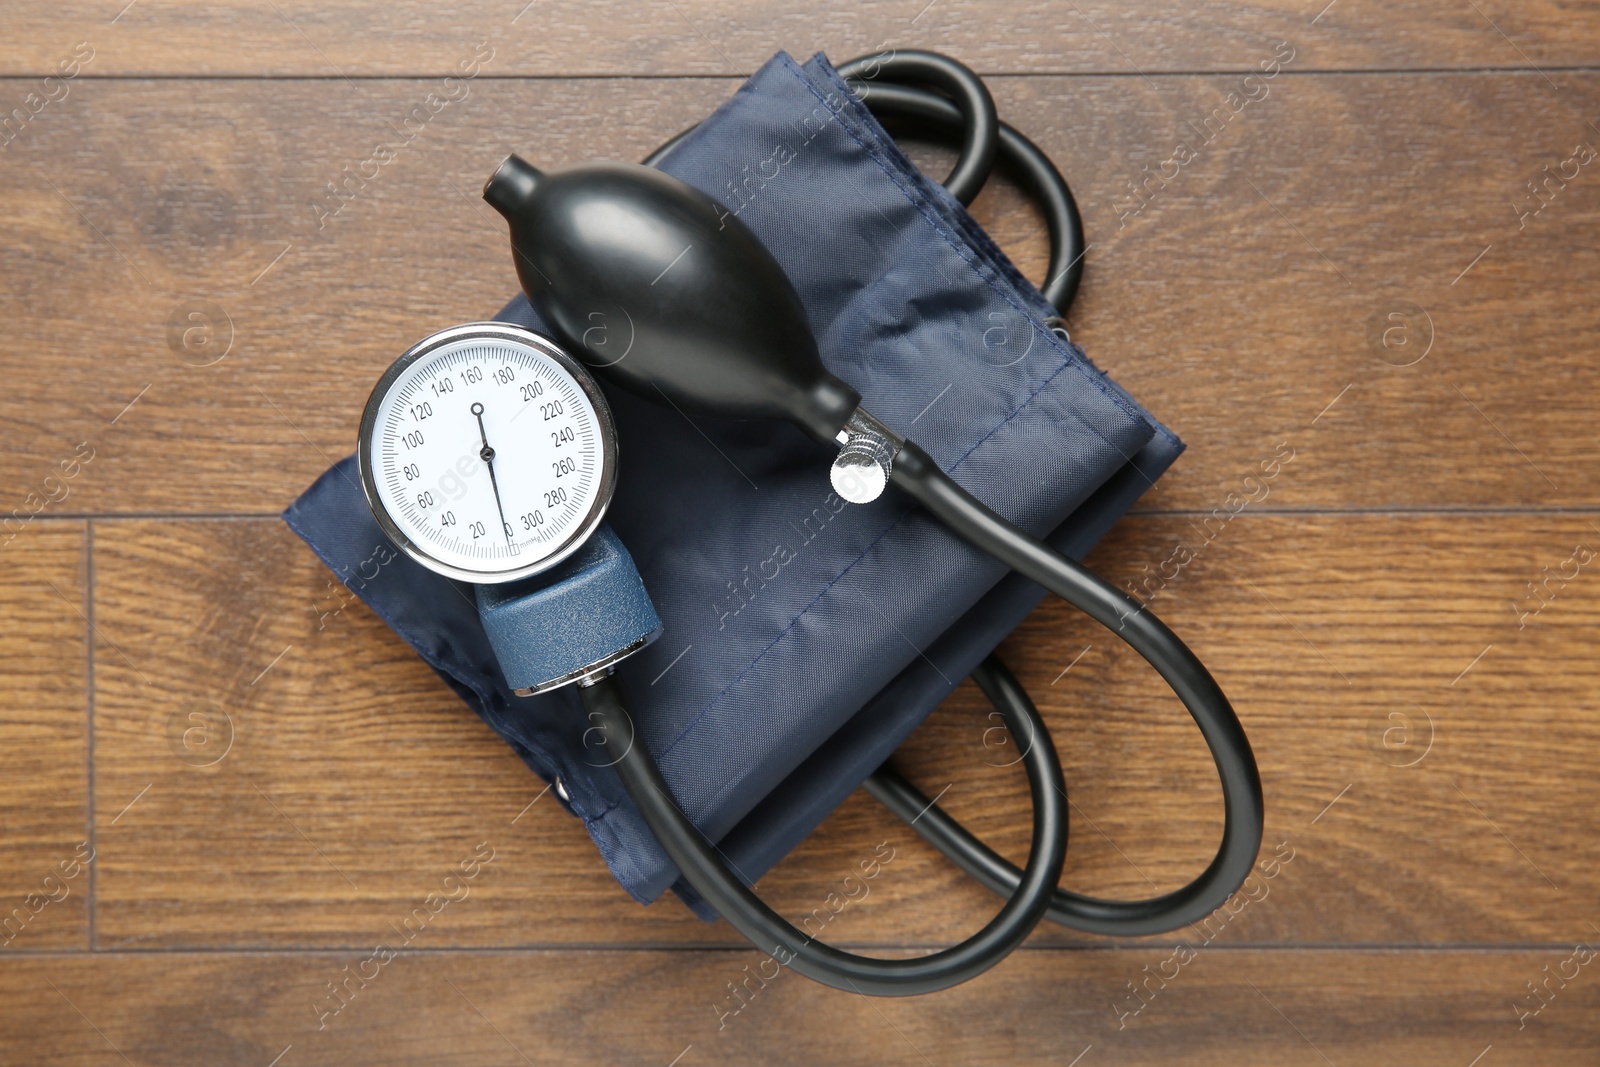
(487, 453)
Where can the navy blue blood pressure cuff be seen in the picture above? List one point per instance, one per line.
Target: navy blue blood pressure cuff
(804, 638)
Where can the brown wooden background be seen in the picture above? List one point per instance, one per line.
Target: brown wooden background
(1428, 753)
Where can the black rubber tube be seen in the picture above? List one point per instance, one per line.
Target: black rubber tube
(1212, 889)
(702, 865)
(917, 474)
(876, 78)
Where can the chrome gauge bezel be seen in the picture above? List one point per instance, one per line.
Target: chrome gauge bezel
(504, 332)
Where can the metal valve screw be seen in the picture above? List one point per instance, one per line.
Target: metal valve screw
(861, 470)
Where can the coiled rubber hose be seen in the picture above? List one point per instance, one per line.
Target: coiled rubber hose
(934, 92)
(705, 868)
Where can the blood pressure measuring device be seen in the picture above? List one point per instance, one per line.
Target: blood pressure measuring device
(488, 454)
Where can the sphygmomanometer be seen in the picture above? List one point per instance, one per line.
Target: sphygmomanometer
(490, 455)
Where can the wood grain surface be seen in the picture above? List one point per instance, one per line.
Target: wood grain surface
(538, 38)
(44, 731)
(1258, 1008)
(359, 780)
(1353, 270)
(1239, 304)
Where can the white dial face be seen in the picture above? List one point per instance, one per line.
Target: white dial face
(488, 457)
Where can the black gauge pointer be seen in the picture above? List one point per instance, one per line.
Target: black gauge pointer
(486, 453)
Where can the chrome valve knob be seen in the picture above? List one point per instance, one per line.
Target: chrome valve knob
(861, 470)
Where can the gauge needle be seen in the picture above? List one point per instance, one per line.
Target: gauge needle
(486, 453)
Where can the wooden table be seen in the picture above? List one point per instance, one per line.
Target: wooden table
(1384, 265)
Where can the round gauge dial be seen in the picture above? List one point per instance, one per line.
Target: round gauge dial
(487, 453)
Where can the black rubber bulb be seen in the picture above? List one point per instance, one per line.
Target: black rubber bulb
(662, 290)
